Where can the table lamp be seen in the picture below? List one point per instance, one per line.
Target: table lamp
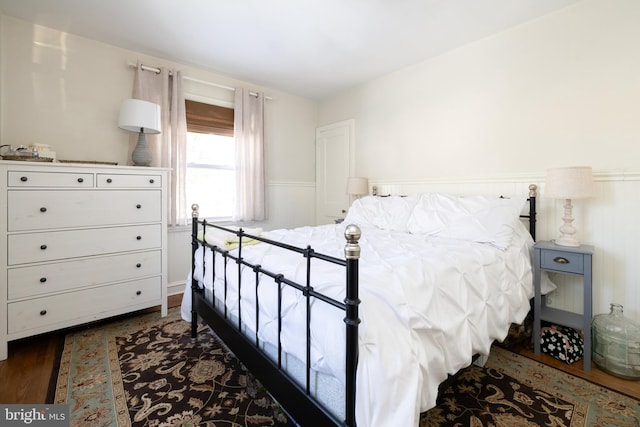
(143, 117)
(357, 186)
(568, 183)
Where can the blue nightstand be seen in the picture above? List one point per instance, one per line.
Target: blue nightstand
(564, 260)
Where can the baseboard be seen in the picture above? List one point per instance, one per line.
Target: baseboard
(175, 288)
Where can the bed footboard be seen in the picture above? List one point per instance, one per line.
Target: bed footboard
(296, 400)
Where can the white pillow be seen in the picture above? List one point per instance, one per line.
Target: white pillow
(476, 218)
(387, 213)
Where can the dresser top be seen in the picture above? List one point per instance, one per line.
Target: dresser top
(58, 166)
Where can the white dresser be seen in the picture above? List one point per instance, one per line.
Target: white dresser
(79, 243)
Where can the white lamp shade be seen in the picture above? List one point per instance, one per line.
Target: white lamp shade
(569, 183)
(357, 186)
(141, 116)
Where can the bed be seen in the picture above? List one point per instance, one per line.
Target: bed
(359, 323)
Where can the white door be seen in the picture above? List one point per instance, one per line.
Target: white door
(334, 164)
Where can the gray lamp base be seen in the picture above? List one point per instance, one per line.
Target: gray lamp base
(141, 155)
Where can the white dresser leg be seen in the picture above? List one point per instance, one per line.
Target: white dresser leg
(4, 350)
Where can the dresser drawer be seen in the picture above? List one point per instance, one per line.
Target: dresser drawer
(128, 181)
(59, 245)
(41, 209)
(562, 261)
(24, 282)
(50, 179)
(55, 311)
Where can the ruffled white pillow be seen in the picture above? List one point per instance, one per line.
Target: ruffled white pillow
(476, 218)
(387, 213)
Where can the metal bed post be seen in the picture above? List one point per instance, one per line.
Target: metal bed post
(194, 282)
(352, 254)
(532, 210)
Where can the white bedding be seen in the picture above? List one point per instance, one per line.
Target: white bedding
(428, 304)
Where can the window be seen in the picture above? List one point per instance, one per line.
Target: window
(210, 174)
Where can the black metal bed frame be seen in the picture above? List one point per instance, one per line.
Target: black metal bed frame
(295, 399)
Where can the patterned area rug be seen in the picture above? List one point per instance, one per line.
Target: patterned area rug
(147, 371)
(515, 391)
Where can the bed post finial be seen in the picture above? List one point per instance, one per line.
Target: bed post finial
(194, 210)
(533, 190)
(352, 233)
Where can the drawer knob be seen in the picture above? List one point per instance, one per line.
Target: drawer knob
(109, 180)
(138, 292)
(43, 247)
(24, 179)
(138, 237)
(43, 209)
(561, 260)
(43, 312)
(43, 279)
(80, 180)
(151, 181)
(138, 206)
(138, 265)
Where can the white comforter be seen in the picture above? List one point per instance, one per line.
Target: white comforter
(428, 305)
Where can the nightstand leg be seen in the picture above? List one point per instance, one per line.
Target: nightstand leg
(537, 303)
(588, 311)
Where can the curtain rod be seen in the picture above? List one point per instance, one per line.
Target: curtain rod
(157, 71)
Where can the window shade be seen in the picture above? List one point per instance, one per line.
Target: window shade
(207, 118)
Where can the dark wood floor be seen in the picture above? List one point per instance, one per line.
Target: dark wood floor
(25, 375)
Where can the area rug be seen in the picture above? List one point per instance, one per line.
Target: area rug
(147, 371)
(513, 390)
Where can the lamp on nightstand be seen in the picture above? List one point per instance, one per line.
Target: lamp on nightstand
(143, 117)
(568, 183)
(357, 186)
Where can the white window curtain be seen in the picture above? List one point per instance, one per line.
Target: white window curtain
(169, 148)
(251, 194)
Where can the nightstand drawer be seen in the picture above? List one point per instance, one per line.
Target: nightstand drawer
(562, 261)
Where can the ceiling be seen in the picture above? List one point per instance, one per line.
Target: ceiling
(312, 48)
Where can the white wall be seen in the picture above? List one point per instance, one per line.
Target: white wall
(562, 90)
(60, 89)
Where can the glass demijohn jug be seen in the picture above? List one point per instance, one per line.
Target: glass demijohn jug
(616, 344)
